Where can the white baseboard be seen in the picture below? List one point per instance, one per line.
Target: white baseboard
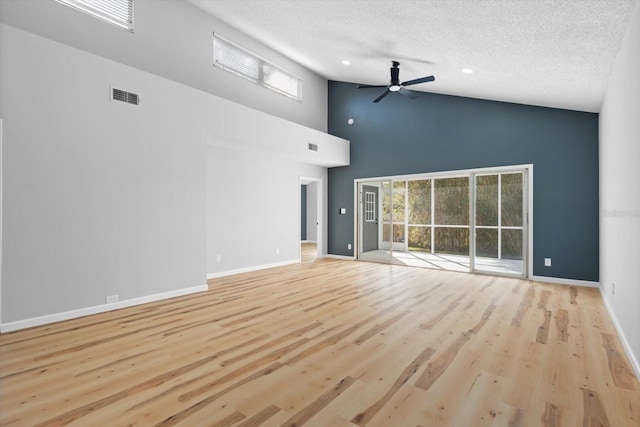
(625, 343)
(73, 314)
(250, 269)
(561, 281)
(344, 257)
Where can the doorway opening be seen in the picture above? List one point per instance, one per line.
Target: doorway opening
(310, 225)
(469, 221)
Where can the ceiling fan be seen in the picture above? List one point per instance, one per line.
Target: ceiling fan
(396, 86)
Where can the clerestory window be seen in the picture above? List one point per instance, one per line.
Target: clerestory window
(239, 61)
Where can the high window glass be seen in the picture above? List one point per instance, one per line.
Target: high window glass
(239, 61)
(116, 12)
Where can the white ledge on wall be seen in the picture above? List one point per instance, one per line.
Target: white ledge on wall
(241, 127)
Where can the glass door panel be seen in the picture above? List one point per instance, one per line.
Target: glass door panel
(419, 215)
(373, 221)
(394, 206)
(487, 242)
(452, 201)
(512, 200)
(487, 200)
(450, 236)
(499, 226)
(386, 215)
(399, 215)
(512, 244)
(452, 240)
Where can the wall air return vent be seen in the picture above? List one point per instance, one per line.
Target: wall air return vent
(313, 147)
(124, 96)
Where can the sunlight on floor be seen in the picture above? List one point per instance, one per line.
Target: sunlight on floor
(445, 261)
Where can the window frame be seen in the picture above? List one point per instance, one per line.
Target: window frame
(262, 77)
(92, 8)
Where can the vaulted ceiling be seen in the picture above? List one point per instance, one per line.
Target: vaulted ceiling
(556, 53)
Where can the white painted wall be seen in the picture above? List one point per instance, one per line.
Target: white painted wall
(100, 197)
(1, 210)
(312, 211)
(619, 196)
(173, 39)
(103, 198)
(253, 209)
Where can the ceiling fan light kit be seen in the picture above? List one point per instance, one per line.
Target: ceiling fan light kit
(396, 86)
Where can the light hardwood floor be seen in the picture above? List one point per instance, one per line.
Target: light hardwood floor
(330, 343)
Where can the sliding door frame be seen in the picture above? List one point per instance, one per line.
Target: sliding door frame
(525, 169)
(527, 207)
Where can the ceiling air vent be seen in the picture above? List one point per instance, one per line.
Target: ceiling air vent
(124, 96)
(313, 147)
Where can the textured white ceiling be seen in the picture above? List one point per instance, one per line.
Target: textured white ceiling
(555, 53)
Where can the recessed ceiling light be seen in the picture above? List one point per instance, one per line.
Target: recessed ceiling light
(345, 62)
(467, 70)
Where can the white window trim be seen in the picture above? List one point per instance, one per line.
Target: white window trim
(262, 63)
(105, 10)
(369, 206)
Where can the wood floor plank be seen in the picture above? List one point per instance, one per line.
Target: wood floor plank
(330, 342)
(439, 366)
(261, 417)
(618, 367)
(525, 304)
(562, 324)
(316, 406)
(364, 417)
(594, 412)
(551, 416)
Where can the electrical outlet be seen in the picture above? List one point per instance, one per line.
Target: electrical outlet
(613, 288)
(547, 262)
(277, 251)
(349, 246)
(218, 258)
(111, 299)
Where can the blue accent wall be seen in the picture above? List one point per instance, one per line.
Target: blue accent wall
(435, 133)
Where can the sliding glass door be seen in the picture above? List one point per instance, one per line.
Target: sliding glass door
(472, 222)
(500, 223)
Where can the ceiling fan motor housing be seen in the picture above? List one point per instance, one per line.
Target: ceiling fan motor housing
(396, 86)
(395, 74)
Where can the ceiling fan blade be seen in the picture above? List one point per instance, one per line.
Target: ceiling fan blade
(385, 93)
(369, 86)
(407, 92)
(418, 81)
